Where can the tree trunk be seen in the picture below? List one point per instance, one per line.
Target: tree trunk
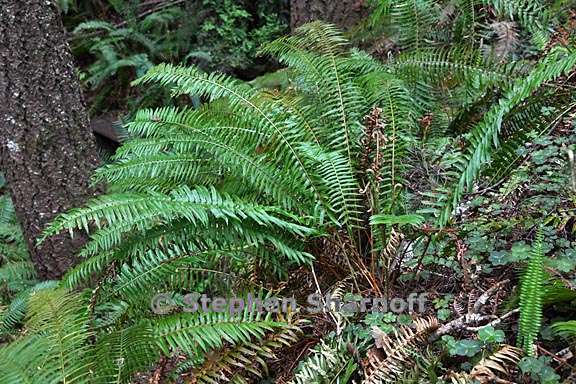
(47, 152)
(343, 13)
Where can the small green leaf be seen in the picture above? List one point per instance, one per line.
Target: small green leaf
(489, 335)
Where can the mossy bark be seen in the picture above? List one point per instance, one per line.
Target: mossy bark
(47, 151)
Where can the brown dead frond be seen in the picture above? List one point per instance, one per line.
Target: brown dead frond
(506, 39)
(394, 354)
(502, 362)
(495, 368)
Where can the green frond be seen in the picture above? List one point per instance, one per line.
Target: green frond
(92, 25)
(565, 329)
(6, 210)
(17, 275)
(408, 22)
(61, 318)
(16, 311)
(197, 206)
(166, 171)
(462, 66)
(413, 20)
(339, 184)
(485, 137)
(231, 145)
(56, 350)
(531, 297)
(123, 352)
(316, 37)
(19, 361)
(155, 269)
(413, 220)
(204, 331)
(328, 362)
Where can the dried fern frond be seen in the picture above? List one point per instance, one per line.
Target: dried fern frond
(506, 39)
(489, 369)
(501, 362)
(398, 350)
(248, 359)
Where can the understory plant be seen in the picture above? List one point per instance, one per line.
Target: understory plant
(355, 168)
(118, 41)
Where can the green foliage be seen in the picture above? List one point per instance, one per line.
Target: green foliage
(349, 160)
(489, 335)
(16, 270)
(203, 332)
(122, 40)
(565, 328)
(228, 37)
(190, 170)
(65, 5)
(413, 220)
(327, 363)
(539, 369)
(62, 345)
(110, 46)
(56, 349)
(467, 348)
(17, 275)
(248, 359)
(507, 27)
(485, 137)
(531, 297)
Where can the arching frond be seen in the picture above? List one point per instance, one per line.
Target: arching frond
(486, 138)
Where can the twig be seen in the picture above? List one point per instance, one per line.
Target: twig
(483, 299)
(474, 317)
(555, 357)
(324, 301)
(496, 321)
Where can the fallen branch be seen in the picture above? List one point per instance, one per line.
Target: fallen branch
(496, 321)
(470, 319)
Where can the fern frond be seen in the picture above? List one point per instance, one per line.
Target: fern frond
(61, 321)
(339, 183)
(398, 350)
(565, 329)
(328, 362)
(15, 313)
(204, 331)
(486, 138)
(19, 361)
(501, 362)
(490, 368)
(532, 15)
(197, 206)
(123, 352)
(235, 363)
(531, 297)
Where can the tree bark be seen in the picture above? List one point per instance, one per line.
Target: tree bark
(343, 13)
(47, 151)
